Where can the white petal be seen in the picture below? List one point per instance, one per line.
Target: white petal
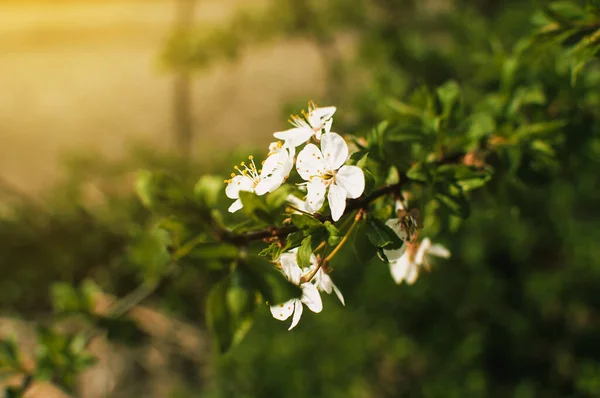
(290, 266)
(396, 226)
(283, 311)
(352, 180)
(399, 206)
(400, 267)
(235, 206)
(316, 194)
(337, 201)
(423, 248)
(310, 162)
(318, 116)
(268, 184)
(271, 163)
(439, 251)
(323, 281)
(298, 203)
(339, 295)
(297, 314)
(412, 273)
(295, 136)
(238, 183)
(393, 255)
(311, 297)
(334, 149)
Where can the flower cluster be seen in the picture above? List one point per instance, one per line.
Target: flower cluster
(406, 262)
(320, 281)
(321, 163)
(323, 169)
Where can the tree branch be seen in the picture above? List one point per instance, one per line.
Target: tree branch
(353, 204)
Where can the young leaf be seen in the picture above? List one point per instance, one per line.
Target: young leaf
(304, 252)
(334, 234)
(380, 235)
(208, 189)
(256, 207)
(305, 221)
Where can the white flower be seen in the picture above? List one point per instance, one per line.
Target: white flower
(310, 295)
(316, 122)
(407, 223)
(324, 170)
(276, 168)
(405, 263)
(298, 203)
(324, 283)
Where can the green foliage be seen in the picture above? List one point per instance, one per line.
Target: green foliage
(487, 124)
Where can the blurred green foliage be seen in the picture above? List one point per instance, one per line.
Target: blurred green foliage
(512, 313)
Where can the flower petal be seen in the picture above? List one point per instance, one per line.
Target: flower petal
(268, 184)
(423, 248)
(295, 136)
(235, 206)
(337, 201)
(290, 266)
(352, 180)
(396, 226)
(334, 149)
(316, 194)
(318, 116)
(395, 254)
(339, 294)
(324, 282)
(238, 183)
(438, 251)
(399, 268)
(310, 162)
(298, 203)
(297, 313)
(311, 297)
(284, 310)
(412, 273)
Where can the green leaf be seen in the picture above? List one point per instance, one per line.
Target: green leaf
(481, 125)
(535, 130)
(380, 235)
(305, 221)
(466, 177)
(9, 355)
(271, 250)
(363, 249)
(304, 252)
(454, 200)
(214, 251)
(404, 109)
(419, 172)
(149, 253)
(269, 281)
(208, 189)
(144, 188)
(256, 207)
(448, 94)
(334, 234)
(369, 182)
(276, 199)
(64, 298)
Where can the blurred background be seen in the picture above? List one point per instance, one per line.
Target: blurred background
(92, 91)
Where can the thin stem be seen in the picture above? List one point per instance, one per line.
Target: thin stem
(345, 238)
(328, 258)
